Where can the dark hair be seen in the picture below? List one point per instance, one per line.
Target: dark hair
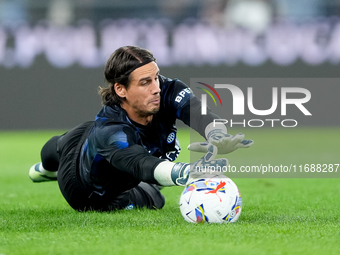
(118, 68)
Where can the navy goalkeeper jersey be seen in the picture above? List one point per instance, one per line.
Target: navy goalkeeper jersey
(120, 153)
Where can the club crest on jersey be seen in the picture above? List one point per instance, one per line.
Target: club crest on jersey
(171, 137)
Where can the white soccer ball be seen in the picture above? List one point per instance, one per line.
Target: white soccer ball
(211, 198)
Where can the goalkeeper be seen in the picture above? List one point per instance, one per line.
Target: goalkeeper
(120, 159)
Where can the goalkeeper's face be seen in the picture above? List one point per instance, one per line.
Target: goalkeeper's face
(142, 98)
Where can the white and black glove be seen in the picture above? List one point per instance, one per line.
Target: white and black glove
(219, 137)
(208, 164)
(168, 173)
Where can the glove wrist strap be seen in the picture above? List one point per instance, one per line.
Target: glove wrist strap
(169, 174)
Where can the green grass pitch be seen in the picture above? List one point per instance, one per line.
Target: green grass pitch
(279, 216)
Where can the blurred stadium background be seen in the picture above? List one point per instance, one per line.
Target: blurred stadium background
(52, 53)
(52, 56)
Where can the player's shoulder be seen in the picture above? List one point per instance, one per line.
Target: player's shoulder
(175, 92)
(172, 88)
(112, 125)
(115, 135)
(167, 83)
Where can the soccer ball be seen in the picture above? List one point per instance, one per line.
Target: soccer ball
(211, 198)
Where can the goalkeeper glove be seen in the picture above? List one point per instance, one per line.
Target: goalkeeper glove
(219, 137)
(168, 173)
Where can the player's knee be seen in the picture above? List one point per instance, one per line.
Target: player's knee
(155, 198)
(159, 201)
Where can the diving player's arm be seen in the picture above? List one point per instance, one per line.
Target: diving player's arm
(121, 148)
(188, 109)
(208, 126)
(145, 167)
(119, 144)
(179, 100)
(138, 162)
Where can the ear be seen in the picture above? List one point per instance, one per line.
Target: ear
(120, 90)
